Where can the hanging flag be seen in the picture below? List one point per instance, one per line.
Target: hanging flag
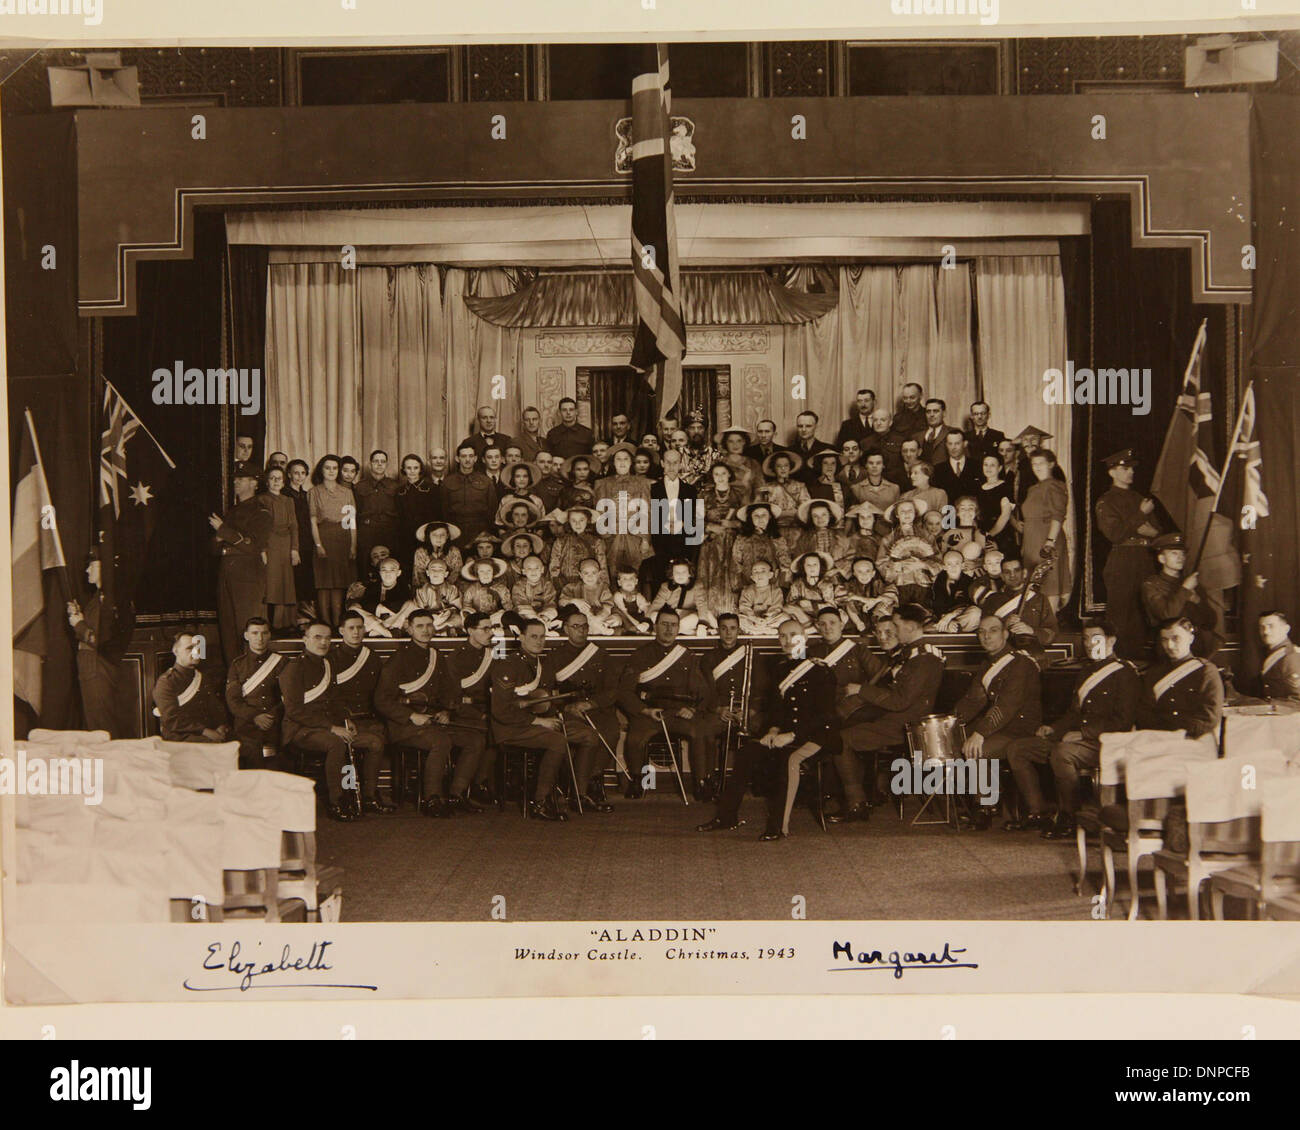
(1187, 482)
(1243, 499)
(656, 282)
(37, 547)
(133, 469)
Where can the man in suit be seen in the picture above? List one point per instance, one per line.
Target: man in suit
(801, 723)
(253, 698)
(530, 441)
(958, 473)
(765, 431)
(909, 419)
(858, 424)
(935, 432)
(981, 440)
(674, 507)
(806, 444)
(487, 434)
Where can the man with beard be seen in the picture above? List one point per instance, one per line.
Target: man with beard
(698, 456)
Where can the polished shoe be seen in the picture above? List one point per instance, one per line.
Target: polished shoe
(343, 814)
(546, 810)
(768, 837)
(437, 807)
(858, 813)
(633, 791)
(980, 822)
(1063, 828)
(591, 804)
(597, 789)
(374, 804)
(464, 806)
(482, 795)
(717, 824)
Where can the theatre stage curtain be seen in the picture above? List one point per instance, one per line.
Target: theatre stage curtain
(358, 359)
(1021, 308)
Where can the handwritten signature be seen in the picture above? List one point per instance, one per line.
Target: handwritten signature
(896, 960)
(249, 970)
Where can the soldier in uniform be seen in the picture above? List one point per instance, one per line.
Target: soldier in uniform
(241, 538)
(662, 685)
(1031, 625)
(1168, 595)
(1002, 703)
(801, 723)
(849, 659)
(188, 702)
(517, 680)
(467, 673)
(1126, 519)
(310, 720)
(888, 699)
(356, 675)
(96, 671)
(577, 666)
(1104, 701)
(253, 698)
(416, 698)
(724, 666)
(1181, 691)
(1279, 674)
(377, 517)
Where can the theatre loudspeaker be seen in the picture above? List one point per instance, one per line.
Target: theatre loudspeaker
(1220, 60)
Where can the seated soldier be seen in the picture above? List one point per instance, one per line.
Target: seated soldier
(1104, 701)
(678, 593)
(576, 666)
(534, 597)
(801, 723)
(590, 594)
(1003, 702)
(253, 697)
(385, 604)
(1028, 617)
(1279, 674)
(630, 606)
(188, 703)
(356, 674)
(762, 603)
(1181, 691)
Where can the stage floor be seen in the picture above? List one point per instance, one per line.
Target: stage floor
(646, 862)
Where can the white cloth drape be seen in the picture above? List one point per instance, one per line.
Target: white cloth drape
(1021, 303)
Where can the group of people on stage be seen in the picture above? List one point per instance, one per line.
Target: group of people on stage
(902, 508)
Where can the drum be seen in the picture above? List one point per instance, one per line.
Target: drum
(936, 737)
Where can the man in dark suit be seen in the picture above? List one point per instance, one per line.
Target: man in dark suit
(673, 503)
(487, 434)
(910, 416)
(935, 433)
(981, 440)
(765, 430)
(807, 444)
(858, 424)
(958, 473)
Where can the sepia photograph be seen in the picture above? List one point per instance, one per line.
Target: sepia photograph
(657, 488)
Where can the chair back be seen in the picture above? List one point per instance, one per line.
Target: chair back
(1280, 833)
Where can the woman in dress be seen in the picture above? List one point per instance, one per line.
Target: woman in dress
(746, 474)
(1043, 512)
(784, 492)
(622, 547)
(827, 485)
(334, 566)
(418, 502)
(304, 582)
(759, 540)
(996, 506)
(819, 517)
(281, 555)
(716, 578)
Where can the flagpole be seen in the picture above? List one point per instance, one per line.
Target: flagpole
(144, 427)
(65, 581)
(1223, 476)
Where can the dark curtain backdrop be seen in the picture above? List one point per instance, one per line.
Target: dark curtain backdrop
(1272, 574)
(1076, 267)
(699, 394)
(621, 390)
(179, 319)
(1144, 317)
(246, 266)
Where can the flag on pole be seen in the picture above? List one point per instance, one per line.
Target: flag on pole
(37, 547)
(1188, 484)
(133, 469)
(656, 282)
(1243, 497)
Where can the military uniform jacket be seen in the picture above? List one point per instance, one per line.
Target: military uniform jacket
(669, 677)
(356, 675)
(188, 701)
(1164, 597)
(468, 674)
(307, 690)
(725, 671)
(1035, 613)
(587, 670)
(802, 701)
(376, 503)
(1004, 696)
(1280, 674)
(514, 678)
(253, 685)
(1187, 695)
(849, 660)
(469, 501)
(415, 680)
(1104, 699)
(1119, 515)
(245, 530)
(87, 630)
(909, 695)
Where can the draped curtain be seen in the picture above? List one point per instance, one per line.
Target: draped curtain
(382, 356)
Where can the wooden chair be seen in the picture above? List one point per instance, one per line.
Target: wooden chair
(1109, 784)
(1222, 824)
(1272, 885)
(253, 807)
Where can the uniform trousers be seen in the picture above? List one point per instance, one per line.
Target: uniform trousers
(241, 595)
(642, 730)
(253, 741)
(437, 742)
(551, 744)
(98, 679)
(865, 737)
(1066, 758)
(606, 726)
(775, 772)
(1125, 570)
(367, 747)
